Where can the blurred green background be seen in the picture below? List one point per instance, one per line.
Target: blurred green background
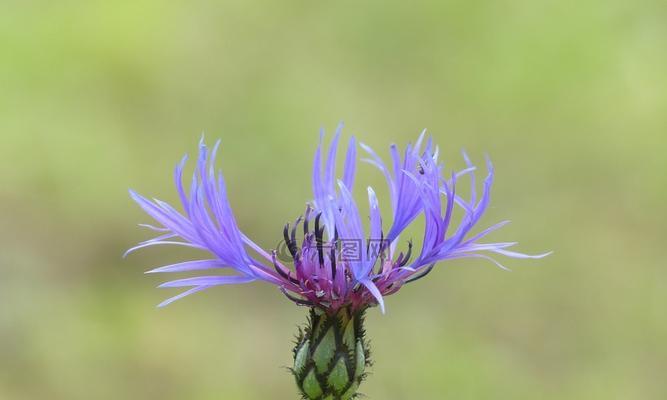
(569, 98)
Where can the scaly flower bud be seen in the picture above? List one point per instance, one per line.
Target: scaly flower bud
(331, 355)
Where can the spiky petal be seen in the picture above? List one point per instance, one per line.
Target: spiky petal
(339, 261)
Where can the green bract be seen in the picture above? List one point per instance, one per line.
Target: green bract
(331, 355)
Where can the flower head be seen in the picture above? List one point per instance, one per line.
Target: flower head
(334, 261)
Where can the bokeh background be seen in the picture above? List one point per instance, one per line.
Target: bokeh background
(569, 98)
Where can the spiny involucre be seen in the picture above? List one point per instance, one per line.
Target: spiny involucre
(335, 265)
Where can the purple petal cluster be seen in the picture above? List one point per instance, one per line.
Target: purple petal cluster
(335, 259)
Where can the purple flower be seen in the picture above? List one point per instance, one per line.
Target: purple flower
(333, 261)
